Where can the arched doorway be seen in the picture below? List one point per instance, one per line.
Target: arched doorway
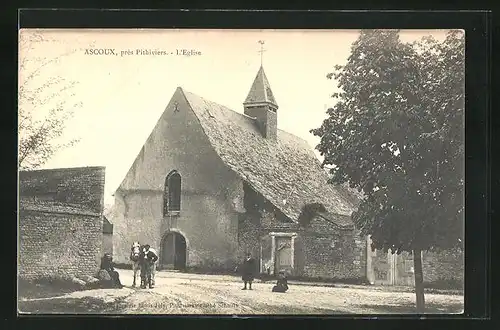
(173, 251)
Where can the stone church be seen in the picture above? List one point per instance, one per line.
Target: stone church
(210, 184)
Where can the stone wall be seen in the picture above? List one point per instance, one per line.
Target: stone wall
(249, 232)
(447, 265)
(59, 244)
(331, 252)
(60, 221)
(438, 267)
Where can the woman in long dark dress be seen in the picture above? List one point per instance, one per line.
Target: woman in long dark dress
(107, 265)
(248, 269)
(281, 284)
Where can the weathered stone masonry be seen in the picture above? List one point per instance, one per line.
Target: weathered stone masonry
(328, 251)
(58, 243)
(322, 249)
(60, 222)
(438, 267)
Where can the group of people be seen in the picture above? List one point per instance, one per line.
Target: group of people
(145, 258)
(248, 270)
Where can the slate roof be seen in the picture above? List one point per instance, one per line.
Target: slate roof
(67, 190)
(286, 171)
(342, 221)
(261, 92)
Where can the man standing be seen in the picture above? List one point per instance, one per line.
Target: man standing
(153, 266)
(248, 269)
(150, 258)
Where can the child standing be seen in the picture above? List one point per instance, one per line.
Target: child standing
(282, 283)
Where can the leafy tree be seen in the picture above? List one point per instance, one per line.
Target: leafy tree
(396, 133)
(308, 212)
(45, 104)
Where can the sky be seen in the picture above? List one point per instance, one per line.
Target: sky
(122, 96)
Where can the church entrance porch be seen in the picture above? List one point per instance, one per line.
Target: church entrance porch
(173, 251)
(278, 253)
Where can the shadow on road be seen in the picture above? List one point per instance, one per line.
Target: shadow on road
(87, 305)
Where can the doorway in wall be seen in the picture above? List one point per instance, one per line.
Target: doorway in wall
(283, 254)
(173, 251)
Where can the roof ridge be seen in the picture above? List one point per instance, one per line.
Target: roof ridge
(239, 113)
(58, 169)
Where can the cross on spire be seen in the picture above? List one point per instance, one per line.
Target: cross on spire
(262, 50)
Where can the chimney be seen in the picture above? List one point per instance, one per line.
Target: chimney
(261, 105)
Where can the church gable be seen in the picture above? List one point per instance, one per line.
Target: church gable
(166, 147)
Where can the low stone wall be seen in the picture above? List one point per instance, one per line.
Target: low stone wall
(329, 252)
(443, 266)
(59, 244)
(441, 269)
(332, 257)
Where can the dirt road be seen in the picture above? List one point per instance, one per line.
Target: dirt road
(177, 293)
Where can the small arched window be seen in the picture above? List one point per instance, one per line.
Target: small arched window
(172, 193)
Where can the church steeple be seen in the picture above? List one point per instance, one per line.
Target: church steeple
(261, 104)
(260, 92)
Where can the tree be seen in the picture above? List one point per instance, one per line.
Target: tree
(45, 104)
(396, 133)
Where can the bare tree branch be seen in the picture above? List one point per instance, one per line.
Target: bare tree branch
(40, 139)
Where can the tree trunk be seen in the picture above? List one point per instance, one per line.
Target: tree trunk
(419, 280)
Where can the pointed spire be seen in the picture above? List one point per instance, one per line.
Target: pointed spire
(260, 92)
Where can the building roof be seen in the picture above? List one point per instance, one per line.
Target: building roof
(107, 227)
(261, 92)
(54, 207)
(67, 190)
(342, 221)
(286, 171)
